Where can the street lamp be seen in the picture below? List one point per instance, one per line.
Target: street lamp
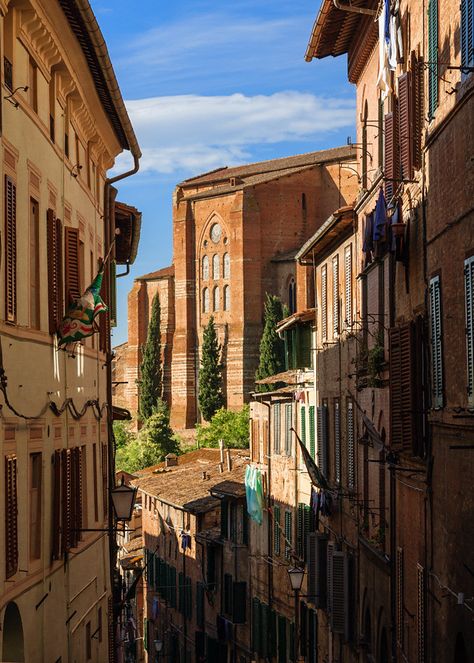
(158, 646)
(296, 575)
(123, 499)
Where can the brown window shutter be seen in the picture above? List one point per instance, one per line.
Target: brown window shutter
(67, 505)
(105, 465)
(56, 524)
(77, 495)
(55, 271)
(391, 159)
(71, 259)
(11, 517)
(104, 318)
(401, 387)
(399, 597)
(417, 107)
(421, 615)
(405, 124)
(10, 249)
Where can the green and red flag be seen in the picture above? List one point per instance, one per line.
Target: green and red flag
(78, 323)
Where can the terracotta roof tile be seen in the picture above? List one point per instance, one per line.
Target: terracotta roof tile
(159, 274)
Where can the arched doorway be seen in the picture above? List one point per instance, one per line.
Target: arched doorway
(384, 655)
(460, 655)
(13, 647)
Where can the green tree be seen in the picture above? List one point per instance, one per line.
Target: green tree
(150, 368)
(210, 374)
(227, 425)
(272, 347)
(122, 434)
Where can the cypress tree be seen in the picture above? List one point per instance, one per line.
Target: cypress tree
(210, 396)
(150, 368)
(272, 347)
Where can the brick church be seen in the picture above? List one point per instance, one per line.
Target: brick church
(236, 232)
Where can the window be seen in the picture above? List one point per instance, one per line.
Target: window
(33, 84)
(433, 83)
(467, 33)
(276, 427)
(469, 295)
(11, 517)
(227, 298)
(205, 268)
(55, 271)
(288, 534)
(288, 426)
(348, 285)
(405, 123)
(350, 444)
(35, 505)
(380, 132)
(436, 343)
(10, 249)
(34, 266)
(216, 298)
(324, 302)
(215, 267)
(226, 266)
(391, 153)
(205, 300)
(337, 440)
(276, 529)
(305, 525)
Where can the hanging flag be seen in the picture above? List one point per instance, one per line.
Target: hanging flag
(78, 323)
(315, 474)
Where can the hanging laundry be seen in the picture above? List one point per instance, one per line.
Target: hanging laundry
(368, 244)
(254, 493)
(388, 25)
(185, 540)
(380, 218)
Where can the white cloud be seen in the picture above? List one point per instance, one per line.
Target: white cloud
(196, 133)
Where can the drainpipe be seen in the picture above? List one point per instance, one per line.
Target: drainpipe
(354, 10)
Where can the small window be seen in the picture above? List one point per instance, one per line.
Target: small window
(205, 268)
(226, 266)
(292, 295)
(216, 267)
(216, 295)
(205, 300)
(227, 298)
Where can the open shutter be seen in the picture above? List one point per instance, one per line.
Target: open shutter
(10, 249)
(469, 297)
(467, 33)
(339, 599)
(337, 440)
(323, 439)
(432, 57)
(288, 426)
(401, 386)
(71, 264)
(421, 615)
(312, 433)
(436, 342)
(324, 302)
(303, 424)
(348, 286)
(335, 296)
(276, 529)
(399, 597)
(276, 428)
(11, 517)
(351, 468)
(405, 124)
(329, 557)
(55, 270)
(56, 520)
(391, 154)
(288, 534)
(417, 107)
(317, 568)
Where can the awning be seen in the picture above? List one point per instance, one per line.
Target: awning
(308, 315)
(287, 377)
(232, 489)
(340, 222)
(128, 221)
(120, 414)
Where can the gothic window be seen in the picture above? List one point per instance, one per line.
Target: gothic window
(215, 267)
(226, 298)
(226, 266)
(205, 300)
(205, 268)
(216, 297)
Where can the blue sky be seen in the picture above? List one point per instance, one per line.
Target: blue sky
(209, 84)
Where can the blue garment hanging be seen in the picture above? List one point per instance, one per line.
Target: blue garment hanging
(380, 218)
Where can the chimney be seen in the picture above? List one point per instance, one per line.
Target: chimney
(221, 447)
(171, 460)
(229, 460)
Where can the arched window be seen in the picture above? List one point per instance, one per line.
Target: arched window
(292, 295)
(205, 268)
(216, 297)
(205, 300)
(226, 266)
(227, 298)
(216, 272)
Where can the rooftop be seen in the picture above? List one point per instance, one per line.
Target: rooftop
(327, 235)
(184, 486)
(163, 273)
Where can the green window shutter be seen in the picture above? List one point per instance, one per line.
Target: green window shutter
(303, 346)
(323, 439)
(436, 343)
(172, 589)
(255, 624)
(288, 426)
(467, 33)
(282, 658)
(276, 428)
(145, 634)
(433, 57)
(308, 526)
(113, 294)
(239, 602)
(300, 531)
(181, 597)
(288, 533)
(145, 558)
(276, 529)
(469, 297)
(272, 633)
(224, 519)
(312, 433)
(189, 598)
(200, 604)
(303, 424)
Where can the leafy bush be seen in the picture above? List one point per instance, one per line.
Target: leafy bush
(122, 433)
(232, 427)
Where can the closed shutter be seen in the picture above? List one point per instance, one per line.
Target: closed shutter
(351, 469)
(56, 519)
(276, 529)
(312, 636)
(255, 624)
(302, 529)
(417, 107)
(324, 302)
(405, 124)
(303, 629)
(337, 440)
(317, 568)
(113, 294)
(436, 343)
(288, 533)
(276, 427)
(200, 605)
(239, 603)
(312, 433)
(11, 517)
(264, 624)
(55, 271)
(420, 615)
(399, 597)
(224, 519)
(432, 57)
(391, 154)
(272, 633)
(329, 559)
(282, 639)
(335, 296)
(10, 249)
(339, 594)
(71, 264)
(288, 426)
(303, 424)
(401, 386)
(181, 593)
(189, 598)
(348, 285)
(145, 634)
(323, 439)
(467, 33)
(227, 594)
(469, 297)
(172, 587)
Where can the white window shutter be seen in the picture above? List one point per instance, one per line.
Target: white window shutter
(348, 285)
(335, 296)
(324, 302)
(350, 445)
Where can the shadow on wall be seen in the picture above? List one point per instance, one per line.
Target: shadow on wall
(13, 643)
